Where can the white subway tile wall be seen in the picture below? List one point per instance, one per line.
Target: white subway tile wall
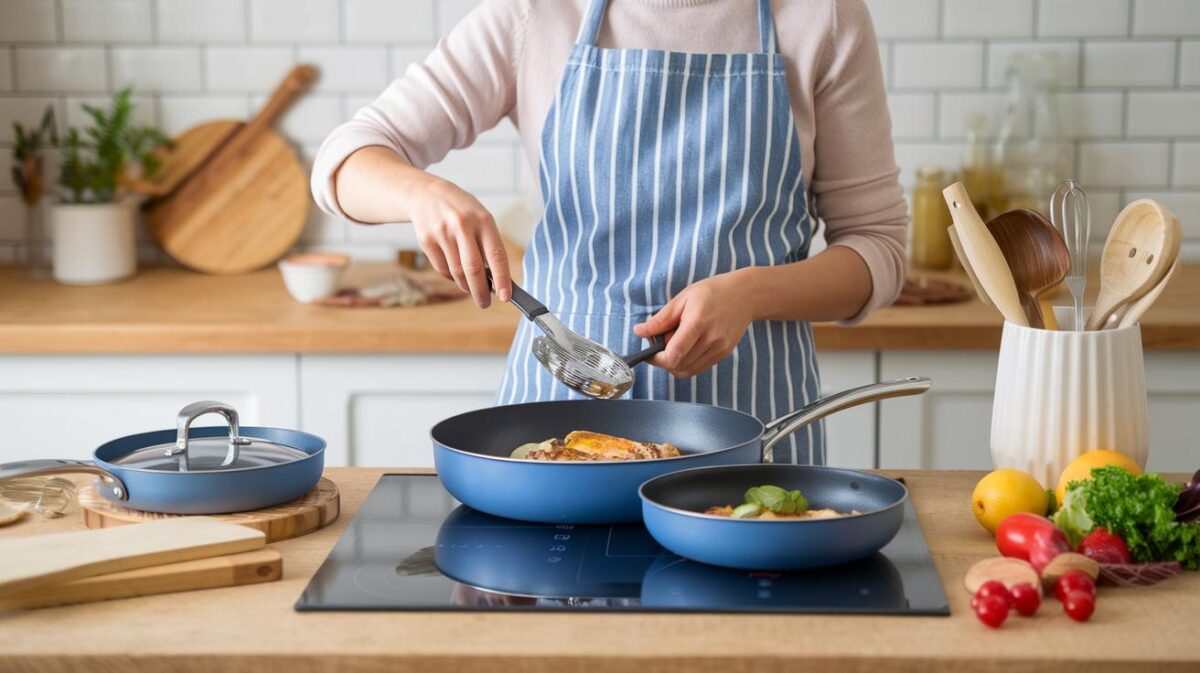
(1130, 76)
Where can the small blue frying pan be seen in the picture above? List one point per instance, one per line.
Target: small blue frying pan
(212, 470)
(673, 508)
(472, 451)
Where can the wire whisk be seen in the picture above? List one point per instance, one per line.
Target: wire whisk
(1072, 217)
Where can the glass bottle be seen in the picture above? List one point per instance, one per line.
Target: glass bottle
(930, 247)
(980, 177)
(1031, 154)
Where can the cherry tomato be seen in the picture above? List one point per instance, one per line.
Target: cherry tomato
(1073, 580)
(991, 610)
(994, 588)
(1079, 605)
(1105, 547)
(1025, 598)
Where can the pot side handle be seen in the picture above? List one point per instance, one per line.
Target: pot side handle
(785, 425)
(45, 467)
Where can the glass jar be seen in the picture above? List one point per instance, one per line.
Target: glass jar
(1031, 154)
(930, 247)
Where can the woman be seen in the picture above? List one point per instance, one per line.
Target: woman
(679, 146)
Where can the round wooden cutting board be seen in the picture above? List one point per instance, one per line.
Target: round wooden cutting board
(315, 510)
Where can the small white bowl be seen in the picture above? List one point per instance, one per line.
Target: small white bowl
(310, 276)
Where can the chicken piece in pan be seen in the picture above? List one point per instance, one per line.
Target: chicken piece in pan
(583, 445)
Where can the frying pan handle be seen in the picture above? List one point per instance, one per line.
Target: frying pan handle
(524, 301)
(785, 425)
(39, 468)
(657, 344)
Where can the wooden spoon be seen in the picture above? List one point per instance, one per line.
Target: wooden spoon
(985, 257)
(966, 265)
(1133, 312)
(1035, 252)
(1141, 248)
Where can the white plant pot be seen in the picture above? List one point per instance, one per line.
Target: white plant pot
(94, 243)
(1060, 394)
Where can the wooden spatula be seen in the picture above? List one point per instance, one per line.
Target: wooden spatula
(1131, 313)
(1141, 248)
(252, 567)
(966, 265)
(985, 257)
(39, 560)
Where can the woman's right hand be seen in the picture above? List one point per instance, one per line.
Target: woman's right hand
(460, 238)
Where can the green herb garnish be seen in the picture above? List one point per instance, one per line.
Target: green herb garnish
(776, 499)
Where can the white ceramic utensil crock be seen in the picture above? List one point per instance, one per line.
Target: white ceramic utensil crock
(1062, 393)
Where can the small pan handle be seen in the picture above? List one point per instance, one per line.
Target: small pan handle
(785, 425)
(40, 468)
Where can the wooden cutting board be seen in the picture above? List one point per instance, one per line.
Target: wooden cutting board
(252, 567)
(233, 197)
(39, 560)
(314, 510)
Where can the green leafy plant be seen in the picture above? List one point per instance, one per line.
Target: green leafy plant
(27, 156)
(97, 161)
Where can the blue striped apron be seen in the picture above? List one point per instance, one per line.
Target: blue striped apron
(659, 169)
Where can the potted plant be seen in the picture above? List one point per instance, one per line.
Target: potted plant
(95, 219)
(28, 176)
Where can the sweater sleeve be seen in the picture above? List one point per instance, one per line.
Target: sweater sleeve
(463, 88)
(855, 183)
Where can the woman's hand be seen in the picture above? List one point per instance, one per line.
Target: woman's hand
(456, 233)
(460, 238)
(703, 324)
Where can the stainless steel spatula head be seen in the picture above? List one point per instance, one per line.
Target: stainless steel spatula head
(580, 363)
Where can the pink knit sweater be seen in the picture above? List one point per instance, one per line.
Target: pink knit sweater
(506, 57)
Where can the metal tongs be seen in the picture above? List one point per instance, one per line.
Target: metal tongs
(580, 363)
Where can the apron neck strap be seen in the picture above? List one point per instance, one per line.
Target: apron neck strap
(589, 31)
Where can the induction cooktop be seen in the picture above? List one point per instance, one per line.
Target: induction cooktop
(413, 547)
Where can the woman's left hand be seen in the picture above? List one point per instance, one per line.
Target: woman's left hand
(702, 324)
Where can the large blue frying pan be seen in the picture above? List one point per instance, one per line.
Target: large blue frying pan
(673, 506)
(272, 466)
(471, 451)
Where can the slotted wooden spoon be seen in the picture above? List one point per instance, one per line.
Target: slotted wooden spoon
(1036, 254)
(1141, 248)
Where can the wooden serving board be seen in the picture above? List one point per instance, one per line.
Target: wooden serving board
(252, 567)
(315, 510)
(40, 560)
(235, 196)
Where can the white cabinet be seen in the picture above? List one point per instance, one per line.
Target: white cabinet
(948, 428)
(64, 406)
(849, 434)
(376, 410)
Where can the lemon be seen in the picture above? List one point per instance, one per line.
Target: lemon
(1007, 491)
(1081, 468)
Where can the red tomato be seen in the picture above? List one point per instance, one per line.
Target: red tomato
(991, 610)
(1072, 581)
(1105, 547)
(1026, 598)
(1079, 605)
(1031, 538)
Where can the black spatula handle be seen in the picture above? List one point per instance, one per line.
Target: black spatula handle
(524, 301)
(657, 344)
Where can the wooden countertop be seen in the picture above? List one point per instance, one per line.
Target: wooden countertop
(253, 628)
(169, 310)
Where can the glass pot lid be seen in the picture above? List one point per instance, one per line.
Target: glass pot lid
(209, 454)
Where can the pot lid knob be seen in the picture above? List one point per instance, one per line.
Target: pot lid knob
(193, 411)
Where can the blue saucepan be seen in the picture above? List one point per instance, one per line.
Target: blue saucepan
(471, 450)
(186, 470)
(673, 508)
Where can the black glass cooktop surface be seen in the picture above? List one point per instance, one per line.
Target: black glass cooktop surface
(413, 547)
